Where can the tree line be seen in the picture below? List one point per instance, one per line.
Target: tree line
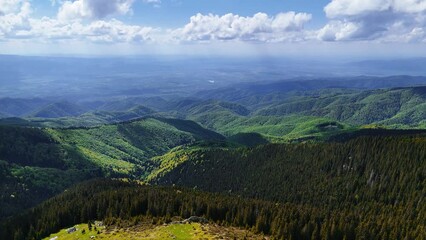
(115, 201)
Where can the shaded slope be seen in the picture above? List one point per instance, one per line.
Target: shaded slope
(125, 204)
(16, 107)
(391, 106)
(59, 109)
(242, 92)
(123, 148)
(37, 163)
(384, 169)
(34, 167)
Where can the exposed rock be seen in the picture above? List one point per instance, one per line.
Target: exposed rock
(195, 219)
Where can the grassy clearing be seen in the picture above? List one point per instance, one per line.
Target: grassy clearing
(82, 232)
(163, 232)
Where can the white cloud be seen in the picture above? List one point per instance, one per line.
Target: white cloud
(152, 1)
(17, 23)
(92, 21)
(384, 20)
(93, 9)
(112, 31)
(339, 8)
(10, 6)
(55, 2)
(20, 25)
(155, 3)
(260, 27)
(15, 19)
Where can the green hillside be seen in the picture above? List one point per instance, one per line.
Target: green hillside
(309, 114)
(277, 116)
(124, 148)
(130, 206)
(60, 109)
(381, 168)
(390, 107)
(38, 163)
(19, 107)
(92, 119)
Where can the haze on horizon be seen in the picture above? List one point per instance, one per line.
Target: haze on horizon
(358, 29)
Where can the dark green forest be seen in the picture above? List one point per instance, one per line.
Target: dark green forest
(115, 201)
(389, 170)
(37, 163)
(368, 186)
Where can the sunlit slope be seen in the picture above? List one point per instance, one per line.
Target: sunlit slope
(384, 168)
(290, 115)
(36, 163)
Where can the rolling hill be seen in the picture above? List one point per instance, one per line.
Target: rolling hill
(37, 163)
(277, 116)
(379, 166)
(19, 107)
(243, 92)
(292, 115)
(59, 109)
(400, 106)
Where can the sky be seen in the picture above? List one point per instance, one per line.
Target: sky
(294, 28)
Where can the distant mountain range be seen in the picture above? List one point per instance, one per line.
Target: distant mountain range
(343, 153)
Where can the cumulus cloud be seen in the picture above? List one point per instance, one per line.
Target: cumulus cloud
(18, 24)
(100, 31)
(15, 18)
(386, 20)
(260, 27)
(10, 6)
(93, 9)
(93, 21)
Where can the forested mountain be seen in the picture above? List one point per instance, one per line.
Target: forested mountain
(59, 109)
(277, 116)
(37, 163)
(115, 202)
(279, 110)
(401, 106)
(243, 92)
(301, 158)
(20, 107)
(344, 188)
(292, 115)
(387, 169)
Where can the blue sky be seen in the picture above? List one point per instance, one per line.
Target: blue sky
(177, 13)
(174, 13)
(378, 28)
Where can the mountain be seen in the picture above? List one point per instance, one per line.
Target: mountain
(243, 92)
(348, 171)
(59, 109)
(19, 107)
(403, 106)
(278, 116)
(393, 66)
(290, 115)
(88, 119)
(334, 190)
(38, 163)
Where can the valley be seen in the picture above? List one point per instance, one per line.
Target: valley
(297, 158)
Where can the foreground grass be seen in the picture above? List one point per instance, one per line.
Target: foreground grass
(149, 231)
